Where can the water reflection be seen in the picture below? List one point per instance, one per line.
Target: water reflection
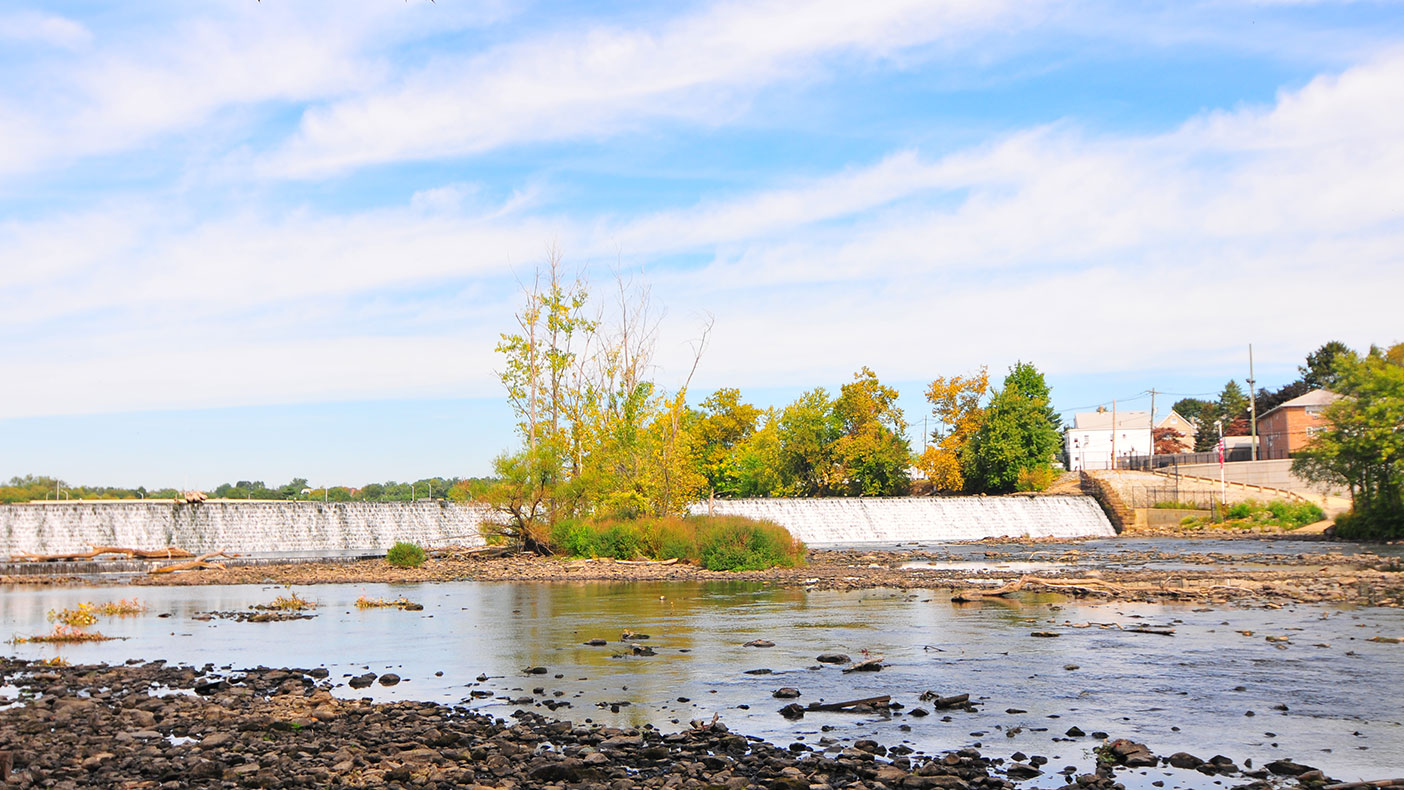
(1203, 680)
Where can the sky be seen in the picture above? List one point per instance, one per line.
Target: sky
(266, 240)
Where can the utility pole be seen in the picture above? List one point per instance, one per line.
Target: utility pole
(1113, 449)
(1252, 403)
(1152, 431)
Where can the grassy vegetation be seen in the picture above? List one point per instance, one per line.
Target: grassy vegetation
(719, 543)
(380, 603)
(1035, 478)
(123, 608)
(292, 602)
(1252, 513)
(64, 634)
(406, 555)
(77, 617)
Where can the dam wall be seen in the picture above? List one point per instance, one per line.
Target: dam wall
(850, 521)
(240, 526)
(344, 528)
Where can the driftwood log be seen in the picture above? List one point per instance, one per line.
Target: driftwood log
(872, 702)
(1366, 785)
(200, 563)
(168, 553)
(646, 562)
(1087, 585)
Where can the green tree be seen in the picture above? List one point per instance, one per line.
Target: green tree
(808, 432)
(1363, 447)
(1319, 372)
(723, 424)
(1015, 436)
(872, 450)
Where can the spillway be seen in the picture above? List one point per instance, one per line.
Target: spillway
(848, 521)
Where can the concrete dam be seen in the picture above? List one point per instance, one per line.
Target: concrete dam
(348, 528)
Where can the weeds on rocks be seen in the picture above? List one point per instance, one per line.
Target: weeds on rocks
(63, 634)
(81, 615)
(292, 602)
(126, 607)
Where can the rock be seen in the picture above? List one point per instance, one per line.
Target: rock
(1131, 754)
(1287, 768)
(1074, 732)
(761, 671)
(759, 643)
(389, 679)
(832, 658)
(535, 670)
(786, 693)
(1021, 771)
(216, 740)
(596, 642)
(792, 711)
(1184, 760)
(1045, 634)
(361, 681)
(643, 650)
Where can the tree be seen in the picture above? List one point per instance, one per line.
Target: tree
(808, 431)
(1232, 405)
(871, 451)
(1202, 414)
(722, 426)
(955, 406)
(1015, 436)
(1363, 447)
(1319, 372)
(1167, 441)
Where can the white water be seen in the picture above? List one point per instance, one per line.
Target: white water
(844, 522)
(243, 527)
(263, 528)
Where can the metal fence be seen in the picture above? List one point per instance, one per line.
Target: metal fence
(1195, 497)
(1148, 463)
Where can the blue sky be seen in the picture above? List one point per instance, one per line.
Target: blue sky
(263, 240)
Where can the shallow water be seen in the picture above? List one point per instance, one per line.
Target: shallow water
(1344, 706)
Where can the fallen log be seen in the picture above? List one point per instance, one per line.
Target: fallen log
(1087, 585)
(646, 562)
(170, 552)
(872, 702)
(200, 563)
(942, 703)
(1366, 785)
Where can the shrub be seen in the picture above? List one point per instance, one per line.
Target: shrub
(713, 542)
(1035, 478)
(406, 555)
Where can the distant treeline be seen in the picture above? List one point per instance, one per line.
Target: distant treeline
(37, 488)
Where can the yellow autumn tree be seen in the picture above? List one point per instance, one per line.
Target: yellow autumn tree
(955, 406)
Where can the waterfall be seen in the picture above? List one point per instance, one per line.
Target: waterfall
(339, 528)
(243, 527)
(846, 521)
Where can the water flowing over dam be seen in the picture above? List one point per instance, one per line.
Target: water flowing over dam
(842, 522)
(243, 527)
(341, 528)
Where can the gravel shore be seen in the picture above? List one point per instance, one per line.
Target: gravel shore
(155, 726)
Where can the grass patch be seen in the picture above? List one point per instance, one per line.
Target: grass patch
(123, 608)
(81, 615)
(406, 555)
(380, 603)
(64, 634)
(720, 543)
(1252, 513)
(292, 602)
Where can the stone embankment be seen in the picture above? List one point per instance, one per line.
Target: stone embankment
(139, 726)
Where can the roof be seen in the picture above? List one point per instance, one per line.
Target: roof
(1175, 417)
(1102, 420)
(1313, 398)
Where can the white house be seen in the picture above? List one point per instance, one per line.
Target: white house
(1093, 441)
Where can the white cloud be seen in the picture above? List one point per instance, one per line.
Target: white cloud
(1083, 252)
(46, 29)
(602, 80)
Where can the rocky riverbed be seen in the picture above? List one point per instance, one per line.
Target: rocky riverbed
(157, 726)
(1274, 576)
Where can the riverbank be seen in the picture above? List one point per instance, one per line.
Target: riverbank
(1274, 575)
(151, 725)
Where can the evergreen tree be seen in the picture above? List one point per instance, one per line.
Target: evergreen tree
(1017, 434)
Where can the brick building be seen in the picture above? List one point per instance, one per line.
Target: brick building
(1291, 425)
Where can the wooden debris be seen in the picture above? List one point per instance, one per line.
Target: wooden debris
(168, 553)
(873, 664)
(646, 562)
(200, 563)
(1366, 785)
(1084, 586)
(944, 703)
(871, 702)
